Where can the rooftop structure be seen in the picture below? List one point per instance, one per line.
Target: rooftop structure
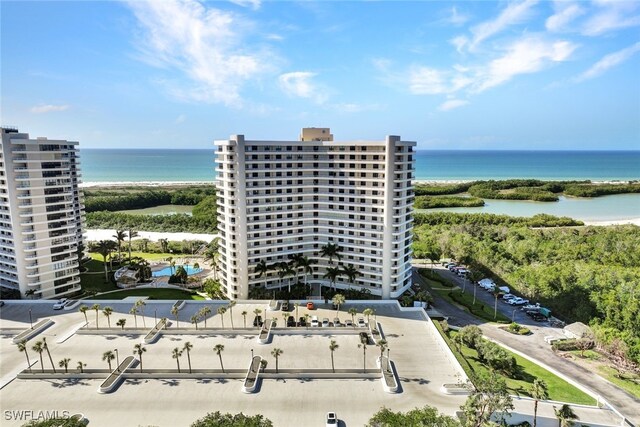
(41, 215)
(284, 200)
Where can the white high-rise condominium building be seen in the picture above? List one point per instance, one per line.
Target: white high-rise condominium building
(278, 199)
(41, 215)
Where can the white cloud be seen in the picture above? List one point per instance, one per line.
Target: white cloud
(456, 18)
(203, 43)
(609, 61)
(452, 104)
(180, 119)
(565, 13)
(525, 56)
(48, 108)
(254, 4)
(459, 42)
(428, 81)
(612, 15)
(514, 13)
(300, 84)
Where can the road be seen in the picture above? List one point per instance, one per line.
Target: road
(534, 345)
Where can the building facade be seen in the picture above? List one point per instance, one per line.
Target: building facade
(41, 215)
(281, 199)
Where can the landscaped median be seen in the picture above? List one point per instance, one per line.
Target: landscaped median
(251, 379)
(155, 332)
(389, 380)
(113, 380)
(27, 334)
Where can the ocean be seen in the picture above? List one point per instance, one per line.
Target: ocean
(146, 165)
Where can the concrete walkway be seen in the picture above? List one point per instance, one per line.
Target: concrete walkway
(535, 346)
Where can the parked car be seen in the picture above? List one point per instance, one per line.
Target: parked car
(518, 301)
(348, 323)
(60, 304)
(507, 297)
(314, 321)
(302, 322)
(451, 265)
(462, 272)
(361, 322)
(332, 419)
(310, 306)
(336, 322)
(257, 321)
(291, 321)
(325, 322)
(285, 305)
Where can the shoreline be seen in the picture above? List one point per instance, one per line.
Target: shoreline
(606, 223)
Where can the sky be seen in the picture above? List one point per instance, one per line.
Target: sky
(449, 75)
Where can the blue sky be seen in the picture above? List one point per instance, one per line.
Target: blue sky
(450, 75)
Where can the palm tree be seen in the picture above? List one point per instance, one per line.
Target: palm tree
(64, 363)
(83, 309)
(108, 356)
(131, 235)
(139, 349)
(187, 347)
(367, 312)
(296, 305)
(257, 312)
(104, 248)
(539, 392)
(307, 267)
(46, 347)
(306, 320)
(134, 311)
(164, 245)
(81, 366)
(351, 272)
(22, 346)
(332, 274)
(338, 300)
(565, 416)
(120, 237)
(96, 307)
(261, 268)
(194, 319)
(121, 323)
(175, 311)
(383, 346)
(221, 312)
(141, 305)
(352, 311)
(276, 352)
(244, 318)
(206, 311)
(364, 356)
(232, 304)
(219, 348)
(38, 348)
(285, 270)
(108, 311)
(176, 353)
(172, 264)
(496, 293)
(30, 293)
(331, 250)
(333, 346)
(295, 264)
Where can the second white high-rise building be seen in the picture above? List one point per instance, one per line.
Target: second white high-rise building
(279, 199)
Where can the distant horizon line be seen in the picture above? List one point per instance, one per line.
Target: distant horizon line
(558, 150)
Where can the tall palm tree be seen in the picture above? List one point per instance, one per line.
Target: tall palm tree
(295, 264)
(172, 264)
(134, 311)
(538, 392)
(22, 346)
(104, 248)
(81, 366)
(565, 416)
(194, 319)
(38, 348)
(306, 320)
(164, 245)
(232, 304)
(221, 311)
(351, 273)
(139, 349)
(130, 235)
(108, 311)
(338, 300)
(108, 356)
(364, 356)
(141, 305)
(46, 348)
(206, 311)
(30, 293)
(276, 352)
(96, 307)
(176, 353)
(257, 312)
(120, 237)
(261, 268)
(83, 309)
(496, 293)
(244, 318)
(121, 323)
(352, 311)
(367, 312)
(333, 346)
(331, 251)
(383, 346)
(64, 363)
(187, 347)
(175, 311)
(219, 348)
(284, 269)
(306, 265)
(332, 273)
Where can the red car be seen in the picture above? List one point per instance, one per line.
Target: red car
(310, 306)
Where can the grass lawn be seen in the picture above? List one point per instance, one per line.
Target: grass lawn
(157, 294)
(95, 265)
(146, 255)
(91, 282)
(631, 385)
(528, 371)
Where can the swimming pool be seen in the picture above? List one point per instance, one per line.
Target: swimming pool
(168, 271)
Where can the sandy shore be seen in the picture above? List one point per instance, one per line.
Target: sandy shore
(634, 221)
(95, 235)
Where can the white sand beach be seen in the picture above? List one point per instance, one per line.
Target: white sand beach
(145, 184)
(634, 221)
(96, 235)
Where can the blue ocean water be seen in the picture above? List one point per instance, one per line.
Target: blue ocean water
(140, 165)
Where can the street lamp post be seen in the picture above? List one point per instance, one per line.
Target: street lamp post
(117, 358)
(513, 315)
(30, 318)
(155, 316)
(251, 355)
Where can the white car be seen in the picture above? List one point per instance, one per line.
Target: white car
(60, 304)
(314, 321)
(362, 323)
(332, 419)
(507, 297)
(325, 322)
(518, 301)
